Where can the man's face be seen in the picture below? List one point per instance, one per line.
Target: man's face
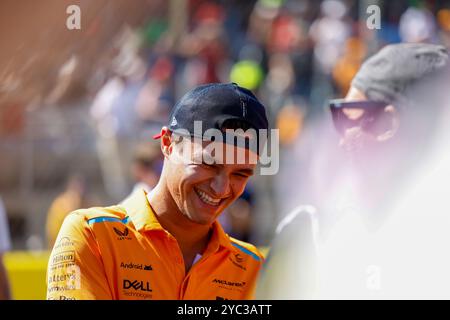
(200, 190)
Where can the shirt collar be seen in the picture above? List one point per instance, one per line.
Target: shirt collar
(143, 218)
(140, 212)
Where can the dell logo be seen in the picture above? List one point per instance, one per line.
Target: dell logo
(136, 285)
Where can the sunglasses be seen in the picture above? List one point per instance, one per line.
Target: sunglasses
(371, 119)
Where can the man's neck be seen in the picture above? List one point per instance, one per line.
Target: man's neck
(192, 237)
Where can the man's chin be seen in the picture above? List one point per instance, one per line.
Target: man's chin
(202, 221)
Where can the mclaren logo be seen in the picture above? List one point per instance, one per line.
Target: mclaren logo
(229, 283)
(123, 235)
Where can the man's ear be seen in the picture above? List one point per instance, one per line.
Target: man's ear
(166, 141)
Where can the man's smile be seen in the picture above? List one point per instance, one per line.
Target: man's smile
(204, 197)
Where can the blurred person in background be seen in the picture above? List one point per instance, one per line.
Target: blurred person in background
(115, 111)
(155, 98)
(146, 166)
(5, 245)
(72, 198)
(443, 18)
(417, 24)
(328, 33)
(204, 48)
(348, 64)
(237, 219)
(379, 245)
(295, 129)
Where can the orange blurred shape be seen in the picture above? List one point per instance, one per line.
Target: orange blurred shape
(12, 119)
(443, 18)
(290, 123)
(356, 48)
(347, 66)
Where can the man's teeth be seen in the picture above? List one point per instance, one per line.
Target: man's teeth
(207, 199)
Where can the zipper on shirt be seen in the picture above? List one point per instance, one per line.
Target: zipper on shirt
(180, 260)
(186, 279)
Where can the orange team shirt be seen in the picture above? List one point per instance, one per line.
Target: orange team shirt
(122, 252)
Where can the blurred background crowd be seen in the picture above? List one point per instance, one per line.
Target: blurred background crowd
(78, 108)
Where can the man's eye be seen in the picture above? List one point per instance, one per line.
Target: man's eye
(241, 175)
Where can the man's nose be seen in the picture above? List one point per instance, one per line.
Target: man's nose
(220, 184)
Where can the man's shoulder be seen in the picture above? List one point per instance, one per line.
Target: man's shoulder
(247, 248)
(85, 225)
(97, 214)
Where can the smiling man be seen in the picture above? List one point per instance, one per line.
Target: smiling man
(167, 244)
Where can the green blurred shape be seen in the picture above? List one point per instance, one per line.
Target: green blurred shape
(247, 74)
(153, 31)
(271, 3)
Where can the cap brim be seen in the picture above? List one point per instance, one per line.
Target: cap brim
(157, 136)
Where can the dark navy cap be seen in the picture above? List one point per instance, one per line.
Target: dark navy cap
(214, 104)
